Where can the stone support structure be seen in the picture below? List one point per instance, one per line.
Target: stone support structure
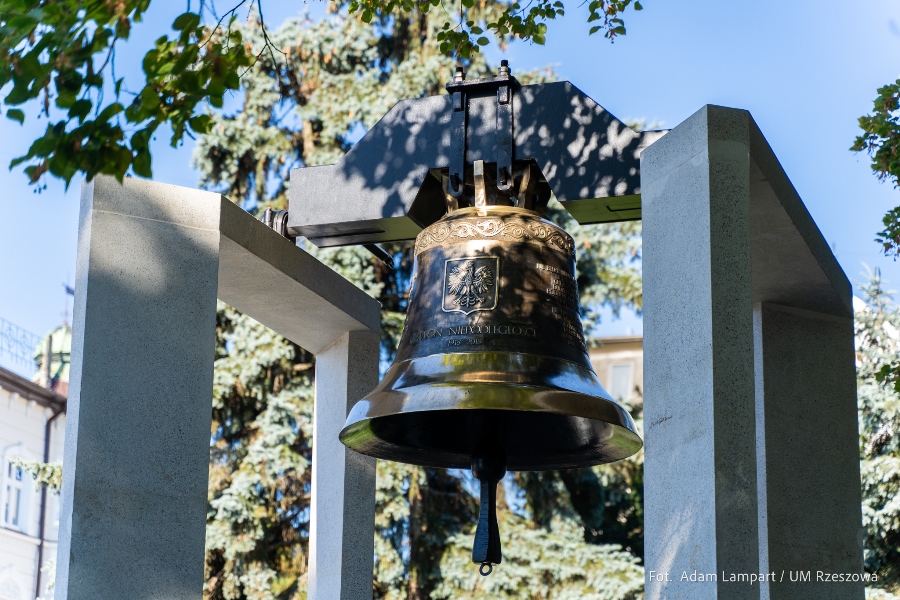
(152, 260)
(344, 374)
(751, 461)
(750, 401)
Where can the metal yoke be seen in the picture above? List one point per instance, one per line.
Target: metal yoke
(390, 185)
(459, 89)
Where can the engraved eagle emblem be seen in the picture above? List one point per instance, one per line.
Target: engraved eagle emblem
(469, 284)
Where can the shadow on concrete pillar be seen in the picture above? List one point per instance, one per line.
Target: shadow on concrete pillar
(152, 259)
(751, 464)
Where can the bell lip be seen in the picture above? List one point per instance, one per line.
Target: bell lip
(579, 396)
(361, 438)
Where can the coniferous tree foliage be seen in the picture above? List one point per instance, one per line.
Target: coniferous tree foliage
(877, 343)
(564, 534)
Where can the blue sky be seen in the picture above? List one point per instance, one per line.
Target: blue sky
(805, 70)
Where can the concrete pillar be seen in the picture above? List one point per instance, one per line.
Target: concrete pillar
(808, 453)
(724, 232)
(152, 259)
(133, 514)
(345, 372)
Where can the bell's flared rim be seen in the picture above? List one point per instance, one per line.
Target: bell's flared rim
(414, 415)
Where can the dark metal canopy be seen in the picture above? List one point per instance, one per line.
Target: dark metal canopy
(394, 181)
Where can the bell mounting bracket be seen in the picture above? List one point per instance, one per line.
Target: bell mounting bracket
(410, 168)
(504, 85)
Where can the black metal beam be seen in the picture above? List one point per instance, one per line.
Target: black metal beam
(383, 189)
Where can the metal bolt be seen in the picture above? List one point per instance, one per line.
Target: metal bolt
(504, 68)
(460, 75)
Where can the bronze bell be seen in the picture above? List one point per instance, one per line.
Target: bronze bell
(492, 372)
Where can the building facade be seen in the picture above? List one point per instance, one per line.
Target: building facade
(619, 364)
(32, 427)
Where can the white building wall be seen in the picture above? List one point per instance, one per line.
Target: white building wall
(625, 353)
(22, 426)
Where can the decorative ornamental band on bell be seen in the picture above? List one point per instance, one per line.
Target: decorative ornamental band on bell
(492, 371)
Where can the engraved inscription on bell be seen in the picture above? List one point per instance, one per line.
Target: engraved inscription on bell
(470, 284)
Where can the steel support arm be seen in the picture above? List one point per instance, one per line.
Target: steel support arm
(387, 188)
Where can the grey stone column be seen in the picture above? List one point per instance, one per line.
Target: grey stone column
(152, 260)
(725, 231)
(340, 563)
(133, 514)
(700, 463)
(808, 453)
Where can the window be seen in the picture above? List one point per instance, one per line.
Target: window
(621, 379)
(12, 497)
(15, 492)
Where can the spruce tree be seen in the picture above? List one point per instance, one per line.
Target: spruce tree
(877, 343)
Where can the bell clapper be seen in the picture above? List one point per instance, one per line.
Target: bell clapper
(489, 467)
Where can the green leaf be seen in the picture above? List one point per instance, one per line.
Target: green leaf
(33, 173)
(215, 88)
(19, 94)
(141, 164)
(186, 22)
(16, 115)
(201, 123)
(66, 98)
(21, 23)
(141, 139)
(189, 83)
(232, 80)
(165, 68)
(80, 109)
(149, 62)
(149, 98)
(109, 112)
